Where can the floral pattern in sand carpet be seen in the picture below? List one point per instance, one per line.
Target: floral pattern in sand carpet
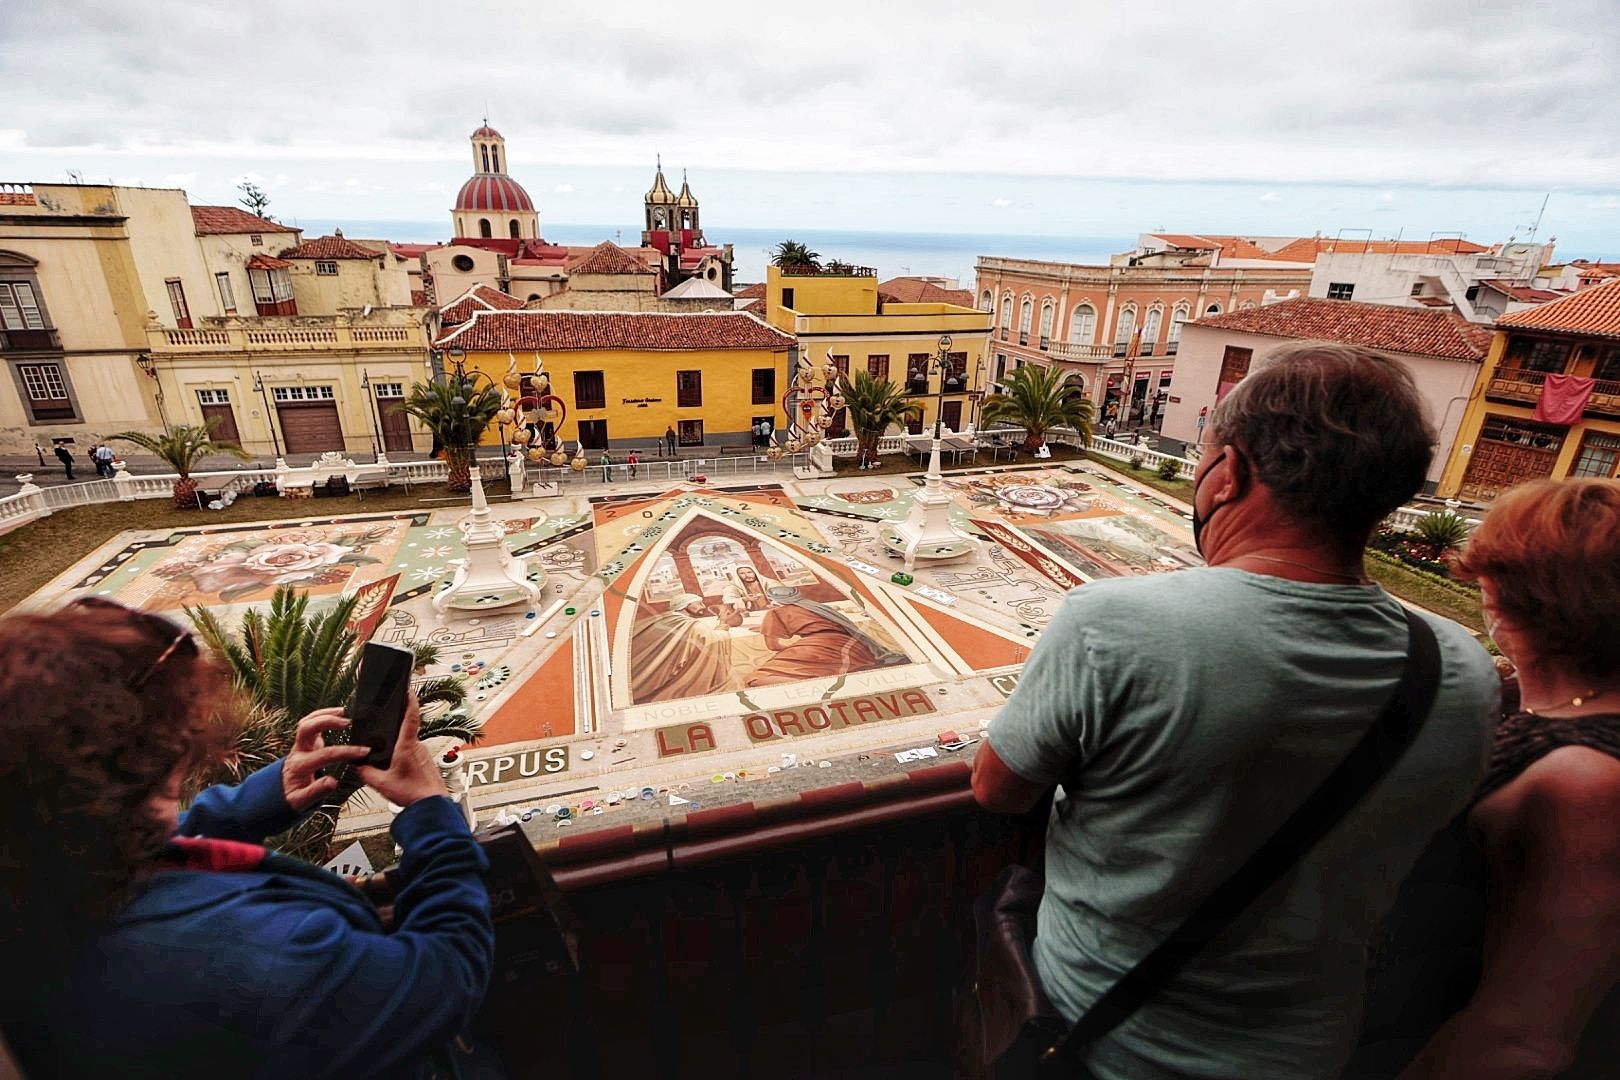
(246, 567)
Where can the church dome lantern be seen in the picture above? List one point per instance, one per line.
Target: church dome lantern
(491, 204)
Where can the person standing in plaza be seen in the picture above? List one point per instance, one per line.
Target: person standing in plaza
(65, 456)
(755, 430)
(634, 461)
(607, 468)
(1181, 718)
(669, 437)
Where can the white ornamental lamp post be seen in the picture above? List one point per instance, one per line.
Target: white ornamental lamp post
(927, 531)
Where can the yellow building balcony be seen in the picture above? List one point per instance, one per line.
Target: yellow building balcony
(389, 330)
(1523, 386)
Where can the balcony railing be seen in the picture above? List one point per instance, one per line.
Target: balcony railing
(1524, 386)
(1069, 350)
(828, 271)
(331, 334)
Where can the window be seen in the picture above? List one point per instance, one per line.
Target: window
(495, 158)
(955, 372)
(1213, 309)
(512, 228)
(590, 390)
(1535, 355)
(484, 227)
(1047, 314)
(690, 432)
(1599, 455)
(387, 390)
(1177, 318)
(689, 390)
(177, 300)
(301, 393)
(1234, 365)
(1123, 331)
(1150, 330)
(878, 367)
(485, 151)
(326, 269)
(1470, 294)
(1340, 290)
(787, 298)
(841, 365)
(256, 240)
(1026, 313)
(19, 307)
(213, 397)
(463, 263)
(1006, 315)
(917, 372)
(46, 388)
(270, 286)
(764, 386)
(1417, 289)
(1608, 365)
(227, 296)
(987, 302)
(1083, 325)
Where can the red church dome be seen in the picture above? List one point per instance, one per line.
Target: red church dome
(491, 191)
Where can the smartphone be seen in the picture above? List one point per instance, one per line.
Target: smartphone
(380, 697)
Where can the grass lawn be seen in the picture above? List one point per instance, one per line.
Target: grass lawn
(37, 552)
(1457, 603)
(1181, 490)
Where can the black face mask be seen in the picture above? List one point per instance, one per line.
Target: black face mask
(1198, 523)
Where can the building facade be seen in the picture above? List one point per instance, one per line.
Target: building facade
(839, 318)
(1440, 349)
(627, 378)
(1547, 399)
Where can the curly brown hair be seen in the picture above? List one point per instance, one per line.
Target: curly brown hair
(98, 707)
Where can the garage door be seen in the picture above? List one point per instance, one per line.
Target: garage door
(310, 428)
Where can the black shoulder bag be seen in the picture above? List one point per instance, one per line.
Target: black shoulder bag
(1012, 1030)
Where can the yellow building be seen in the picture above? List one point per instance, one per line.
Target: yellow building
(839, 317)
(1517, 427)
(626, 378)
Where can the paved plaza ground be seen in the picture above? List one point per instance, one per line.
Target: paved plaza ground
(603, 688)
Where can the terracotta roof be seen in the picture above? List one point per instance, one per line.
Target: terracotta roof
(1306, 249)
(492, 191)
(1188, 241)
(1594, 312)
(227, 220)
(757, 308)
(267, 262)
(418, 298)
(410, 251)
(608, 258)
(1527, 294)
(750, 292)
(486, 132)
(330, 247)
(1412, 330)
(500, 331)
(914, 290)
(480, 297)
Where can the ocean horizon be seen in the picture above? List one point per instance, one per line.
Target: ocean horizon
(891, 254)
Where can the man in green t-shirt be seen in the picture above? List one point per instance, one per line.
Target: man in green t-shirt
(1183, 717)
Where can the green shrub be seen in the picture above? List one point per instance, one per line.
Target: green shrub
(1444, 531)
(1169, 469)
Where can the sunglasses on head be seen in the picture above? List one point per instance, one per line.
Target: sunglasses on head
(175, 635)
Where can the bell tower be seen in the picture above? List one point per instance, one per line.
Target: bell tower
(491, 205)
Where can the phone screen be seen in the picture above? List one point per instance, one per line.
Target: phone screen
(379, 700)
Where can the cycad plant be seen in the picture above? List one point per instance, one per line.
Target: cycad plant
(1443, 532)
(875, 405)
(181, 448)
(1038, 399)
(290, 662)
(457, 412)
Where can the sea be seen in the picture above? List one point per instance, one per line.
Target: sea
(891, 254)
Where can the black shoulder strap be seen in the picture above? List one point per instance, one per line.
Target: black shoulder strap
(1376, 752)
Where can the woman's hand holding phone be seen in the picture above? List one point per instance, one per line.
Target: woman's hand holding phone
(412, 774)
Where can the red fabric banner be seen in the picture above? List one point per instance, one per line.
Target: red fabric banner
(1563, 399)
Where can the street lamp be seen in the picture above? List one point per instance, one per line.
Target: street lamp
(147, 365)
(269, 417)
(941, 364)
(376, 433)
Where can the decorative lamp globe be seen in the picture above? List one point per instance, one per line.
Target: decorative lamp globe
(559, 458)
(520, 437)
(512, 381)
(774, 453)
(503, 416)
(537, 455)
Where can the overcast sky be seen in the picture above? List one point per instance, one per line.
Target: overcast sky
(1101, 119)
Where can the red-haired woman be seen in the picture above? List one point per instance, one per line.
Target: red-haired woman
(1502, 958)
(137, 941)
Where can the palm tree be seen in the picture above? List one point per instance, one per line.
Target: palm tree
(1038, 399)
(793, 253)
(180, 449)
(874, 406)
(457, 414)
(290, 663)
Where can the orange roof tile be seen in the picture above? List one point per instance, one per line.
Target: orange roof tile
(608, 258)
(330, 247)
(261, 261)
(1412, 330)
(227, 220)
(750, 292)
(1592, 312)
(418, 298)
(914, 290)
(480, 297)
(501, 331)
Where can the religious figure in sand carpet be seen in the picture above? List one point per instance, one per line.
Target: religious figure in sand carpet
(681, 653)
(812, 640)
(744, 592)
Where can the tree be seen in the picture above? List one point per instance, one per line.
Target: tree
(875, 405)
(457, 414)
(1038, 399)
(255, 199)
(290, 663)
(181, 448)
(793, 253)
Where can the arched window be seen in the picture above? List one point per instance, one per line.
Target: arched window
(483, 227)
(1123, 330)
(987, 302)
(1177, 317)
(534, 296)
(1213, 309)
(1006, 314)
(1026, 314)
(495, 158)
(1150, 330)
(658, 218)
(1083, 325)
(1047, 312)
(686, 219)
(512, 227)
(485, 150)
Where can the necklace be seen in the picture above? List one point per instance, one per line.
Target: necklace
(1573, 703)
(1358, 579)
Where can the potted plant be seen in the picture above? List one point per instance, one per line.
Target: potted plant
(457, 413)
(1038, 399)
(875, 405)
(180, 449)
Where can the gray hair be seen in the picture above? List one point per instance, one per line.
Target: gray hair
(1336, 432)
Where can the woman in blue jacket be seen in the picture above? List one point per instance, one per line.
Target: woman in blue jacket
(139, 942)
